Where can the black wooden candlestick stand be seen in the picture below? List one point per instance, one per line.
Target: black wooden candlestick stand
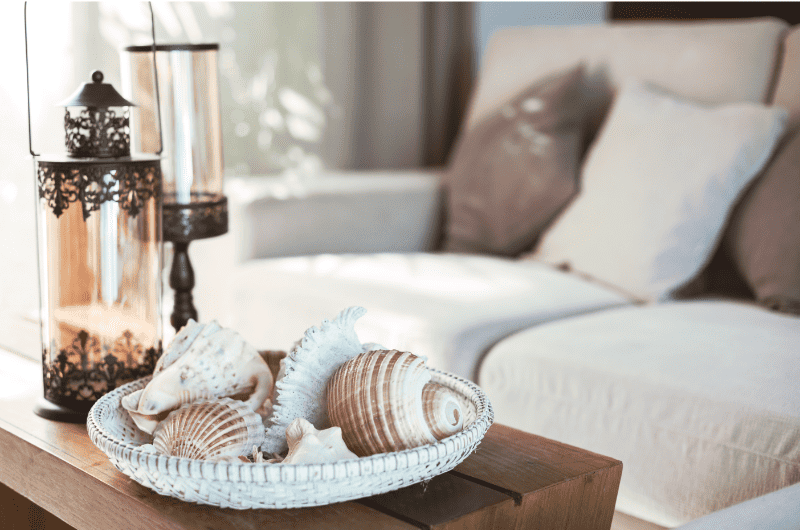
(181, 279)
(205, 216)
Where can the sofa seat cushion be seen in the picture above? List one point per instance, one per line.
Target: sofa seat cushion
(447, 307)
(699, 400)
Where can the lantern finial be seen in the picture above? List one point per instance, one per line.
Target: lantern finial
(97, 131)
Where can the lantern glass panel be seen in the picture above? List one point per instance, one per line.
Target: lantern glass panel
(99, 225)
(190, 114)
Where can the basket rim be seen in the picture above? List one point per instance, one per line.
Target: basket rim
(348, 469)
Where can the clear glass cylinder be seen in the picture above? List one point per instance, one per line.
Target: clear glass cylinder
(100, 259)
(188, 83)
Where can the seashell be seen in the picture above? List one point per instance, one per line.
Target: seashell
(265, 410)
(308, 445)
(145, 422)
(210, 430)
(302, 380)
(383, 401)
(204, 361)
(230, 459)
(258, 456)
(442, 409)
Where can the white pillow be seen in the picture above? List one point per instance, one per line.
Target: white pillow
(657, 187)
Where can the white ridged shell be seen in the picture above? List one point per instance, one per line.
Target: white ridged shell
(209, 430)
(204, 361)
(308, 445)
(302, 381)
(383, 402)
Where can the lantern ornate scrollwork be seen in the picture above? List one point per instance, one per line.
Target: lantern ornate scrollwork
(98, 132)
(99, 230)
(130, 186)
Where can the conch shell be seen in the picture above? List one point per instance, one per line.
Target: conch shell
(307, 445)
(383, 401)
(219, 430)
(204, 361)
(301, 384)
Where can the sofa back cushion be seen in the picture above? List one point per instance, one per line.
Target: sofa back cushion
(759, 246)
(787, 88)
(763, 234)
(711, 62)
(657, 187)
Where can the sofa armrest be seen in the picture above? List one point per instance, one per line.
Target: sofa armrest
(779, 510)
(354, 212)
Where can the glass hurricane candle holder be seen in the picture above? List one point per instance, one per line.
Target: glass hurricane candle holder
(99, 235)
(195, 206)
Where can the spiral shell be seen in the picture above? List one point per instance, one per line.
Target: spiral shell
(203, 361)
(383, 401)
(209, 430)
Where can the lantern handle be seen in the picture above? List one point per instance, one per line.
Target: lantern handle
(155, 77)
(28, 81)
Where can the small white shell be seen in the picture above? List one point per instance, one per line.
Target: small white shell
(202, 362)
(302, 380)
(219, 430)
(308, 445)
(383, 402)
(230, 459)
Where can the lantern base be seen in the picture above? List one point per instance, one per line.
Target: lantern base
(51, 411)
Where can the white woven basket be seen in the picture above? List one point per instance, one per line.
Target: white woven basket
(244, 486)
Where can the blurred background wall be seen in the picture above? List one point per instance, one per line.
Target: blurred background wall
(304, 85)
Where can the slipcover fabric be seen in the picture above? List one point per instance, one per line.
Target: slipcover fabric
(450, 308)
(787, 87)
(711, 62)
(699, 400)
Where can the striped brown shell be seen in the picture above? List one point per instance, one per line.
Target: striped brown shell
(209, 430)
(383, 401)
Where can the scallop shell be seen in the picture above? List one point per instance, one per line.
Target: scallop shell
(204, 361)
(383, 401)
(210, 430)
(301, 385)
(308, 445)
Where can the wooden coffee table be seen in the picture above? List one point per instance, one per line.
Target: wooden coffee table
(513, 480)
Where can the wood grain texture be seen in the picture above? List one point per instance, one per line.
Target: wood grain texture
(448, 502)
(556, 485)
(18, 513)
(514, 480)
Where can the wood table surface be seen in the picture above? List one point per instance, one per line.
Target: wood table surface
(52, 474)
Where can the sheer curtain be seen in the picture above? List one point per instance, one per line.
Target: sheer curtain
(50, 38)
(304, 85)
(403, 72)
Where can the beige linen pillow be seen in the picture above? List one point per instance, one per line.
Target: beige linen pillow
(763, 235)
(657, 187)
(516, 169)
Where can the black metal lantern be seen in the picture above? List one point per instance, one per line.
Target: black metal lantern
(100, 255)
(194, 204)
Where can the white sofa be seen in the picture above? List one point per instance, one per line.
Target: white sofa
(700, 399)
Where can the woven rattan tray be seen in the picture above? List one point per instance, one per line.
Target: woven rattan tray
(245, 486)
